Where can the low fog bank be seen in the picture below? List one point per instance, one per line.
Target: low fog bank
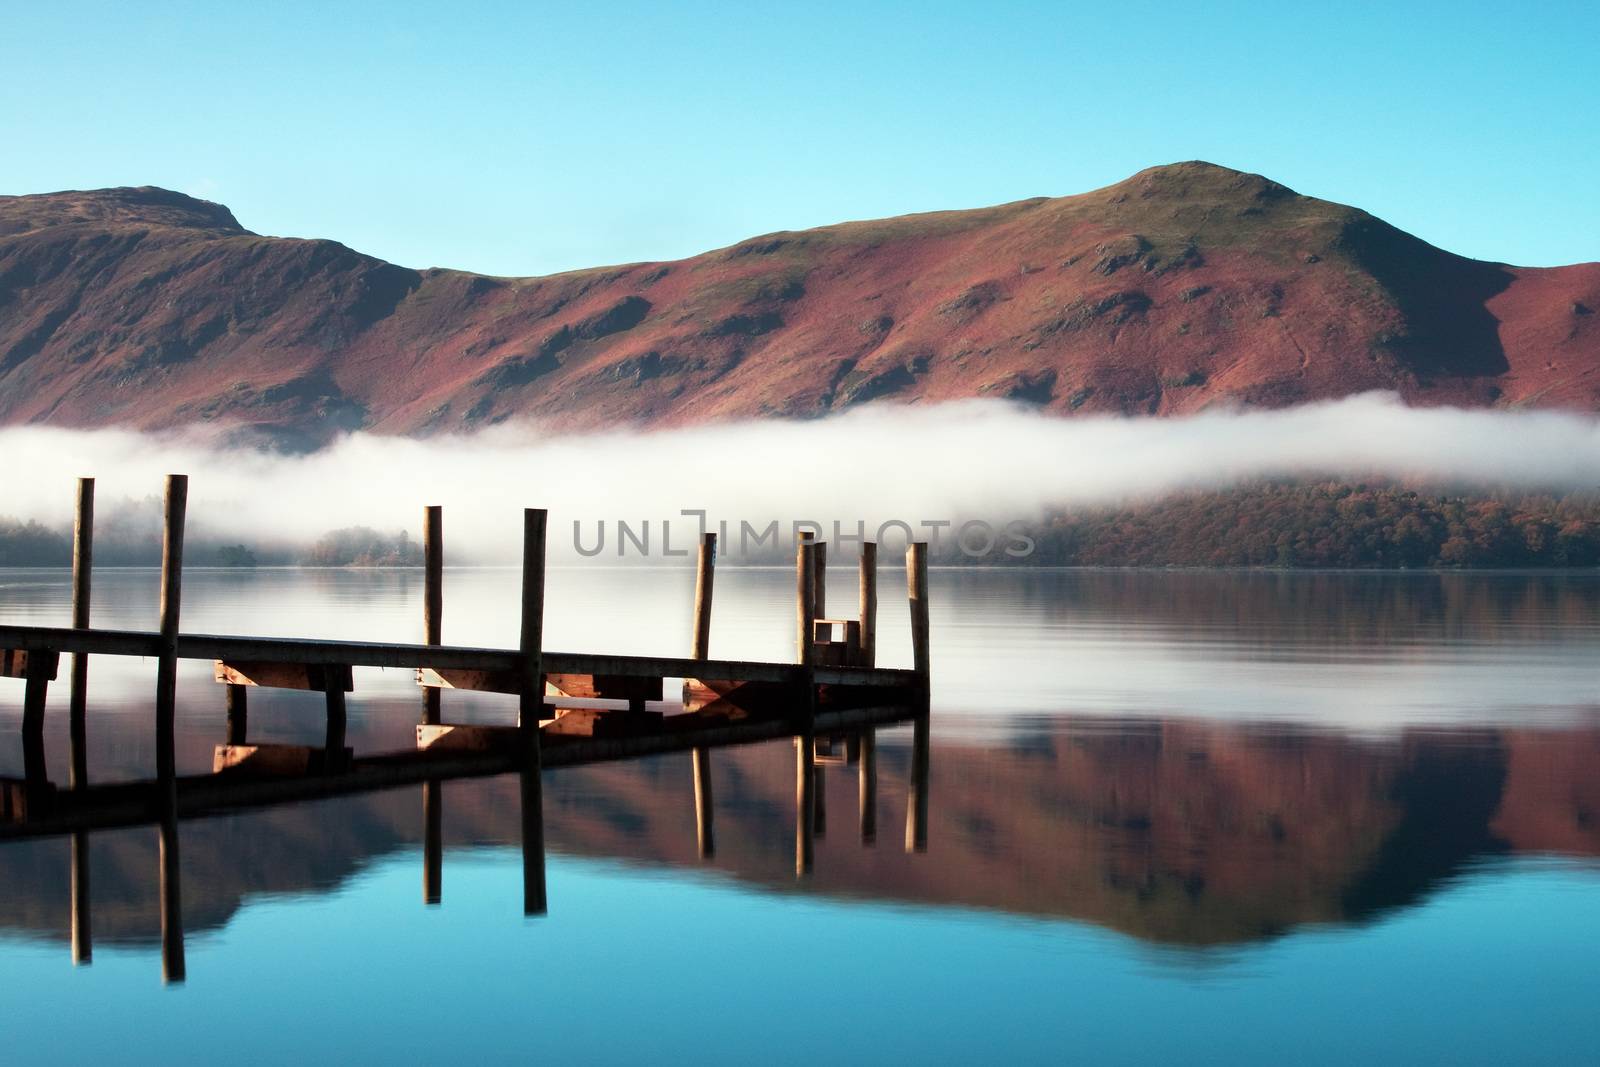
(951, 463)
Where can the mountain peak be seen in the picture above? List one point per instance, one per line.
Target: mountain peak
(144, 204)
(1197, 178)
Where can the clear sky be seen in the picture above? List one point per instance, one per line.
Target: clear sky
(524, 138)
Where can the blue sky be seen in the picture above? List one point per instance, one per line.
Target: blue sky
(529, 138)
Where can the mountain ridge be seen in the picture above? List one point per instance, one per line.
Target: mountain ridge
(1181, 287)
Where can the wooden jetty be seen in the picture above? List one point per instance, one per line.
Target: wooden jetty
(833, 694)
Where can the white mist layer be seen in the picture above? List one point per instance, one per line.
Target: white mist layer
(976, 459)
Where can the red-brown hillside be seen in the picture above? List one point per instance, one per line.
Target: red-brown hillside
(1180, 287)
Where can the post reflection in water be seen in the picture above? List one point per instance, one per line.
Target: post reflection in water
(172, 961)
(532, 794)
(82, 939)
(705, 832)
(867, 786)
(805, 781)
(917, 804)
(170, 894)
(432, 841)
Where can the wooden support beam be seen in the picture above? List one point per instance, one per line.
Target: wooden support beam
(312, 677)
(385, 654)
(868, 603)
(82, 570)
(432, 596)
(175, 507)
(65, 639)
(501, 681)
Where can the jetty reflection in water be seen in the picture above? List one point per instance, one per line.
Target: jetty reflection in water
(1172, 831)
(498, 814)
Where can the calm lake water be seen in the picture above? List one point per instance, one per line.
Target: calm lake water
(1198, 816)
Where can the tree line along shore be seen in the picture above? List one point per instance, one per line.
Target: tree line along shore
(1269, 524)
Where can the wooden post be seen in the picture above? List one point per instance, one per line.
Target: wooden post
(819, 574)
(869, 604)
(82, 564)
(177, 499)
(238, 714)
(917, 796)
(705, 575)
(432, 841)
(82, 940)
(530, 709)
(917, 593)
(432, 598)
(173, 969)
(176, 505)
(704, 581)
(805, 716)
(805, 747)
(531, 704)
(867, 769)
(805, 589)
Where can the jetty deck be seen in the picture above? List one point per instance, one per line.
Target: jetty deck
(571, 708)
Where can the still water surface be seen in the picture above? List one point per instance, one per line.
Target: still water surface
(1186, 815)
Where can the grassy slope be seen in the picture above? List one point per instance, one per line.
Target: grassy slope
(1181, 287)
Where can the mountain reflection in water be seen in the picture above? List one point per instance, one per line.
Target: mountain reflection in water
(1176, 831)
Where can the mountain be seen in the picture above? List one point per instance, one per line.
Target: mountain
(1181, 287)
